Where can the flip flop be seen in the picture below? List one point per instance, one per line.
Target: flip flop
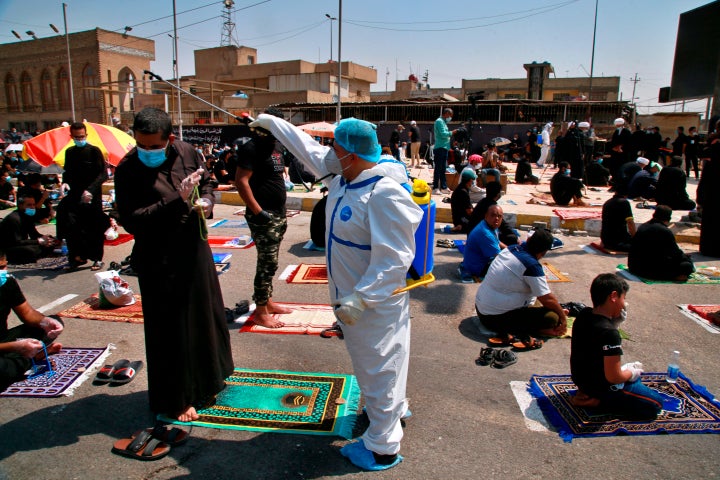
(105, 374)
(487, 356)
(126, 373)
(525, 345)
(142, 447)
(172, 436)
(97, 265)
(503, 341)
(504, 358)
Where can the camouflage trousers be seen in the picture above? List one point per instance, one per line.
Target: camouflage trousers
(267, 239)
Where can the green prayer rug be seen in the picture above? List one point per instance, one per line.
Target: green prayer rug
(286, 402)
(703, 275)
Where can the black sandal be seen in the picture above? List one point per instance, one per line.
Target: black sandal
(504, 358)
(487, 356)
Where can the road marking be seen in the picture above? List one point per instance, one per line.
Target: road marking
(57, 302)
(534, 418)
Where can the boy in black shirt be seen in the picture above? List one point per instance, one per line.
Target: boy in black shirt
(596, 356)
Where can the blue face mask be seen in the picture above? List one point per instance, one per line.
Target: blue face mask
(30, 212)
(3, 277)
(80, 143)
(567, 172)
(600, 161)
(152, 158)
(7, 179)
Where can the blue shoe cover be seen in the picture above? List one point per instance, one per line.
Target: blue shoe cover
(407, 414)
(363, 458)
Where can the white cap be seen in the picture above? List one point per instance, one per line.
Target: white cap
(643, 161)
(413, 122)
(584, 125)
(619, 121)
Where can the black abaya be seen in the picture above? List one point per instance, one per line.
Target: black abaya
(186, 337)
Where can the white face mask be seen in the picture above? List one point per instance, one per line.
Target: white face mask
(621, 318)
(332, 163)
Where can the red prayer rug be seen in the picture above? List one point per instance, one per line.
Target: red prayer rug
(574, 214)
(122, 238)
(309, 273)
(89, 309)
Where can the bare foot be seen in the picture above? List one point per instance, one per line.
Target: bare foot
(265, 318)
(275, 308)
(188, 415)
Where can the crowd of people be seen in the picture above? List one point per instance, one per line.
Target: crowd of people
(164, 193)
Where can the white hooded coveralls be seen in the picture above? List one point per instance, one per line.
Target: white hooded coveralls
(370, 244)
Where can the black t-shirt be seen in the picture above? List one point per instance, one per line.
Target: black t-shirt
(5, 190)
(523, 172)
(613, 230)
(459, 204)
(593, 338)
(677, 145)
(10, 296)
(691, 146)
(414, 134)
(654, 251)
(265, 160)
(564, 188)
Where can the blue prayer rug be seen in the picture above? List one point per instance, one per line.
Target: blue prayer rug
(687, 408)
(282, 401)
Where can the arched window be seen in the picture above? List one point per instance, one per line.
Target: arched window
(90, 83)
(11, 93)
(46, 91)
(126, 86)
(26, 89)
(64, 89)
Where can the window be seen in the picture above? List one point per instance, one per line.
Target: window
(513, 95)
(64, 89)
(251, 60)
(11, 93)
(559, 97)
(46, 91)
(598, 96)
(90, 83)
(27, 92)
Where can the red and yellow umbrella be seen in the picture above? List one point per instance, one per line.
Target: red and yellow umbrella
(319, 129)
(50, 146)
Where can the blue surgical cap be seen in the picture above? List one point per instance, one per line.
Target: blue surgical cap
(358, 137)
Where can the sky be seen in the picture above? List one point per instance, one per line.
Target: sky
(470, 39)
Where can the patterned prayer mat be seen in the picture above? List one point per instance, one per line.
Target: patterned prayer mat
(89, 309)
(72, 366)
(122, 238)
(47, 263)
(229, 242)
(229, 224)
(703, 319)
(305, 319)
(288, 213)
(309, 273)
(222, 267)
(222, 257)
(286, 402)
(696, 278)
(687, 408)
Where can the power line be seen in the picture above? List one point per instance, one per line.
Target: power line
(539, 11)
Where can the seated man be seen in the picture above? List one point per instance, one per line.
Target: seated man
(20, 344)
(596, 357)
(20, 239)
(44, 211)
(618, 224)
(654, 254)
(505, 301)
(224, 168)
(671, 189)
(483, 244)
(460, 203)
(523, 172)
(508, 235)
(564, 188)
(7, 192)
(644, 183)
(597, 175)
(626, 172)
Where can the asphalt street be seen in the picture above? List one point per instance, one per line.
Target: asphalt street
(466, 422)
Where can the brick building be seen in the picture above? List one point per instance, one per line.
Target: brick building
(107, 73)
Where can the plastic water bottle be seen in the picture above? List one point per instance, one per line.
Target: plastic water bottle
(63, 247)
(673, 367)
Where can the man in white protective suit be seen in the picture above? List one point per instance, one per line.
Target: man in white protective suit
(370, 244)
(545, 146)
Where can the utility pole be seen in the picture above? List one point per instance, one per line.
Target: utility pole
(635, 81)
